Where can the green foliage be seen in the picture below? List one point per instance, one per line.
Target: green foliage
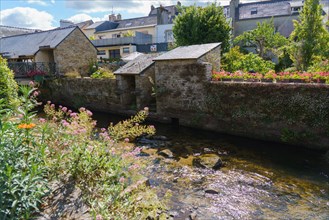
(200, 25)
(8, 86)
(310, 37)
(264, 39)
(234, 60)
(107, 171)
(319, 65)
(102, 73)
(128, 34)
(22, 167)
(131, 128)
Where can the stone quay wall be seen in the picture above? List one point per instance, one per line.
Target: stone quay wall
(295, 114)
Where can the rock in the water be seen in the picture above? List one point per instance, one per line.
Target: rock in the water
(166, 153)
(211, 191)
(193, 216)
(210, 161)
(219, 164)
(159, 138)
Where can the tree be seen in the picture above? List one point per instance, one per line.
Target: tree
(263, 38)
(199, 25)
(8, 86)
(310, 37)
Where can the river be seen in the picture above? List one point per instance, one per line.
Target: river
(256, 179)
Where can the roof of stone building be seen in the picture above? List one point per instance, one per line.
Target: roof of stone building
(264, 9)
(138, 65)
(188, 52)
(6, 31)
(29, 44)
(84, 24)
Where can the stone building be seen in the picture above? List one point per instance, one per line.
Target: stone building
(180, 74)
(68, 48)
(136, 82)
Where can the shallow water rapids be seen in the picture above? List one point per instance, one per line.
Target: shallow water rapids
(257, 180)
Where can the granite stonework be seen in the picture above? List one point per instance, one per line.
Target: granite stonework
(75, 53)
(295, 114)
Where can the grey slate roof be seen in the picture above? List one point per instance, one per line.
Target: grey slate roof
(29, 44)
(84, 24)
(136, 22)
(103, 26)
(264, 9)
(138, 65)
(188, 52)
(6, 31)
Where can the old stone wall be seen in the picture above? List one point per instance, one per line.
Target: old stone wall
(294, 114)
(144, 88)
(177, 82)
(75, 53)
(95, 94)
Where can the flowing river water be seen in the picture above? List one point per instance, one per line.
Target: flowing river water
(254, 180)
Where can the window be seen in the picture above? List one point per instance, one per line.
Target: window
(254, 11)
(296, 9)
(101, 52)
(128, 24)
(114, 53)
(100, 37)
(169, 36)
(125, 50)
(116, 35)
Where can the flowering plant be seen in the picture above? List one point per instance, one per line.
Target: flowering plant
(33, 73)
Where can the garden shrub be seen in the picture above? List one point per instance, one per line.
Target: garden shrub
(22, 166)
(319, 65)
(234, 61)
(103, 73)
(8, 85)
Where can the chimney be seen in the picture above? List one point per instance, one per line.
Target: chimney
(152, 7)
(65, 23)
(179, 4)
(112, 17)
(119, 17)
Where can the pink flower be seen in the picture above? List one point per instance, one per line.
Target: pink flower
(60, 106)
(48, 102)
(89, 113)
(73, 115)
(146, 109)
(64, 109)
(69, 111)
(31, 83)
(65, 123)
(126, 140)
(152, 126)
(122, 179)
(82, 109)
(52, 106)
(99, 217)
(103, 129)
(42, 120)
(90, 148)
(20, 116)
(35, 93)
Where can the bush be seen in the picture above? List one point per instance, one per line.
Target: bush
(22, 166)
(8, 86)
(102, 73)
(319, 65)
(234, 61)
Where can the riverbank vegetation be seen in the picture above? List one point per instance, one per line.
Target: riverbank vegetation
(66, 147)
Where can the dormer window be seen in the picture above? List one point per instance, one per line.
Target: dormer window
(296, 9)
(253, 11)
(128, 24)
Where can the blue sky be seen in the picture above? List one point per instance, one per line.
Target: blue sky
(45, 14)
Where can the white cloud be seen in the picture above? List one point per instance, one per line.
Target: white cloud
(84, 17)
(38, 2)
(26, 17)
(128, 6)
